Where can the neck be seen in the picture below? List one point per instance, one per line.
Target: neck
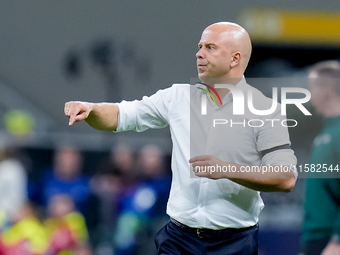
(331, 108)
(213, 81)
(222, 92)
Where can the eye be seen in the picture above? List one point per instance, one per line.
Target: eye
(211, 47)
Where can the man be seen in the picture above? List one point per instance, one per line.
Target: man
(321, 229)
(218, 214)
(64, 177)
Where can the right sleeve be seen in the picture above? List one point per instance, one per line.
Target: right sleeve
(150, 112)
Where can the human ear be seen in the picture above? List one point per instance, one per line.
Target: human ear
(236, 59)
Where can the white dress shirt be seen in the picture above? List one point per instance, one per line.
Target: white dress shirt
(202, 202)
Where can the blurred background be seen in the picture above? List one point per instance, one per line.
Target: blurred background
(100, 193)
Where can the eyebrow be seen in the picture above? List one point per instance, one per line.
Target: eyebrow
(207, 44)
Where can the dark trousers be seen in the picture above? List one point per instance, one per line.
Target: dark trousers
(175, 241)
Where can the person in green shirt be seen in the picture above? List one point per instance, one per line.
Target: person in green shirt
(321, 228)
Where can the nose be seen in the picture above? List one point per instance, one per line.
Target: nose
(200, 53)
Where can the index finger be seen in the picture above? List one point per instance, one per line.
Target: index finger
(73, 112)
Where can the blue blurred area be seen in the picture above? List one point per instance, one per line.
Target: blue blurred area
(279, 242)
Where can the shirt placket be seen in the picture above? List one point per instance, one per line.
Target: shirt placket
(212, 143)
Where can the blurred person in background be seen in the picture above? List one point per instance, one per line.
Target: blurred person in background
(144, 210)
(27, 236)
(123, 158)
(114, 179)
(66, 227)
(13, 184)
(116, 174)
(65, 177)
(321, 228)
(156, 176)
(107, 186)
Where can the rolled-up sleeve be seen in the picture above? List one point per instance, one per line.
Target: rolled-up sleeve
(281, 157)
(150, 112)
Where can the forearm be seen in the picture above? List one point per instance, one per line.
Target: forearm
(267, 179)
(262, 179)
(266, 182)
(103, 116)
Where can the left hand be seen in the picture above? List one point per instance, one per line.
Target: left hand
(209, 166)
(332, 248)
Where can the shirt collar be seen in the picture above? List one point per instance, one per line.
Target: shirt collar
(242, 84)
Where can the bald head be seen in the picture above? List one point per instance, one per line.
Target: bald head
(236, 37)
(234, 40)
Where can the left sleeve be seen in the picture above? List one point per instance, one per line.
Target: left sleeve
(274, 132)
(273, 138)
(281, 157)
